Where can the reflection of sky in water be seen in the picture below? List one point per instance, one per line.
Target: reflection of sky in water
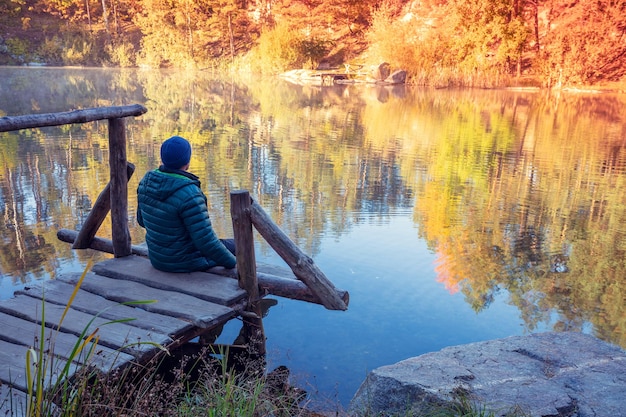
(397, 310)
(10, 284)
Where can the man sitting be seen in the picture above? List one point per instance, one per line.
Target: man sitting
(173, 210)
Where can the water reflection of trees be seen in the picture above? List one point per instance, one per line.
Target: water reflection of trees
(546, 223)
(301, 153)
(24, 250)
(507, 189)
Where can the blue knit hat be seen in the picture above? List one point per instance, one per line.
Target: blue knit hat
(175, 152)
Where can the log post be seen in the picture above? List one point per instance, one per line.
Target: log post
(301, 264)
(244, 242)
(119, 188)
(246, 267)
(100, 209)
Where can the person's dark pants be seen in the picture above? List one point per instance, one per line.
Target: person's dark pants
(230, 245)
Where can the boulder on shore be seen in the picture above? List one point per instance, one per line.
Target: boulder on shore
(566, 374)
(396, 77)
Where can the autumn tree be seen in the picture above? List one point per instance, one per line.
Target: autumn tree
(489, 34)
(187, 32)
(10, 8)
(229, 30)
(321, 26)
(584, 42)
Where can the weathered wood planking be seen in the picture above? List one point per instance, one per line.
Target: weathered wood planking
(210, 287)
(185, 305)
(12, 402)
(201, 313)
(122, 336)
(28, 334)
(13, 369)
(58, 292)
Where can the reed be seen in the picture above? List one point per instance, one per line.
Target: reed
(56, 386)
(226, 390)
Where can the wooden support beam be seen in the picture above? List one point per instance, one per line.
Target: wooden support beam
(98, 243)
(9, 123)
(281, 283)
(244, 242)
(119, 188)
(246, 268)
(301, 264)
(98, 213)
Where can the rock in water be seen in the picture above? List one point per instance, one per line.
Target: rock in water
(564, 374)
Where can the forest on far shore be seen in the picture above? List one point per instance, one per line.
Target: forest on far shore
(482, 43)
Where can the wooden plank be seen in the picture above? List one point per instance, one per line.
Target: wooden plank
(210, 287)
(22, 332)
(59, 292)
(29, 121)
(128, 339)
(201, 313)
(13, 369)
(12, 402)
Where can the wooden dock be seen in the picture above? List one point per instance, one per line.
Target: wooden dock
(123, 308)
(183, 307)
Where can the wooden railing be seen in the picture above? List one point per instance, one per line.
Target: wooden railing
(118, 185)
(244, 211)
(245, 214)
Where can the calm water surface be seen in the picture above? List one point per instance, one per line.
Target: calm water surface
(450, 216)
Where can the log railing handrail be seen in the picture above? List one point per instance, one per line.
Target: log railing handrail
(117, 190)
(247, 213)
(301, 264)
(29, 121)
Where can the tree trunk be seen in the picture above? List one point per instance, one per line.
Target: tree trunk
(105, 18)
(189, 31)
(536, 25)
(88, 14)
(232, 39)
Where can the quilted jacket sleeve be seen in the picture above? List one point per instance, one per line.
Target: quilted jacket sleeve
(195, 215)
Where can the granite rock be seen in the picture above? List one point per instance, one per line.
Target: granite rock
(564, 374)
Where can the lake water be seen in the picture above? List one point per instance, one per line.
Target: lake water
(450, 216)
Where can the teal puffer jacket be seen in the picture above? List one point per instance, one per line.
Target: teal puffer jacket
(173, 210)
